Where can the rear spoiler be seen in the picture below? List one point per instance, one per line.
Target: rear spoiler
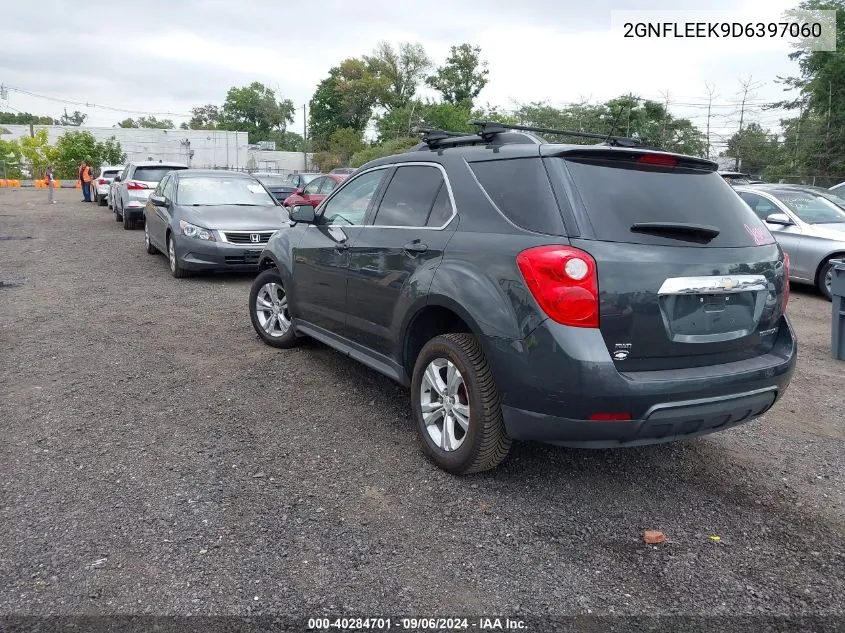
(630, 157)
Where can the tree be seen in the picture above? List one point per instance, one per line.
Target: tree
(110, 152)
(344, 99)
(255, 110)
(402, 70)
(287, 141)
(148, 122)
(205, 117)
(388, 148)
(755, 147)
(24, 118)
(462, 77)
(11, 158)
(71, 149)
(37, 151)
(75, 120)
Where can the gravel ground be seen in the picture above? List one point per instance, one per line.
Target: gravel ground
(157, 458)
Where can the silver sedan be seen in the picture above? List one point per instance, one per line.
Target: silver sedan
(807, 222)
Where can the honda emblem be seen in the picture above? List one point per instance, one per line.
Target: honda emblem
(254, 238)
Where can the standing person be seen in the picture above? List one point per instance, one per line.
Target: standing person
(49, 180)
(85, 176)
(79, 178)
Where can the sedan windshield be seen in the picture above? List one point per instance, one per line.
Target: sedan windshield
(273, 181)
(812, 207)
(221, 191)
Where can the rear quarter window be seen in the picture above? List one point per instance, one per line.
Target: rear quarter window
(520, 189)
(616, 198)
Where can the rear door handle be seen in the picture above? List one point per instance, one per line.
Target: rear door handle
(415, 247)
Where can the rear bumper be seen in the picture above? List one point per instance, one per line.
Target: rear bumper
(551, 387)
(198, 255)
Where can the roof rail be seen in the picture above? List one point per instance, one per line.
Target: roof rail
(487, 129)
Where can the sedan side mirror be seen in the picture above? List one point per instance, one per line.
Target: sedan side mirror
(302, 213)
(159, 201)
(779, 218)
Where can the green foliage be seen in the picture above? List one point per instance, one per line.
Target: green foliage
(75, 119)
(110, 152)
(25, 118)
(401, 71)
(148, 122)
(345, 99)
(388, 148)
(757, 148)
(74, 147)
(287, 141)
(454, 117)
(462, 77)
(37, 152)
(12, 157)
(255, 110)
(205, 117)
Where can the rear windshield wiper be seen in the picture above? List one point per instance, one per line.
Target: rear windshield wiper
(702, 233)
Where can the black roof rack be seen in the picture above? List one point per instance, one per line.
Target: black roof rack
(507, 133)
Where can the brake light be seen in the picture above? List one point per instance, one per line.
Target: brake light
(658, 159)
(133, 185)
(564, 281)
(610, 417)
(785, 280)
(101, 181)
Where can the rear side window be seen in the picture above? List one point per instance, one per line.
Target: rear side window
(109, 173)
(410, 196)
(616, 198)
(520, 188)
(442, 209)
(153, 174)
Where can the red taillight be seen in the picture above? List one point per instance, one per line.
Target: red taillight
(101, 181)
(658, 159)
(564, 282)
(785, 281)
(610, 417)
(132, 185)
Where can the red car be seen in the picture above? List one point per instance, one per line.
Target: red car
(315, 191)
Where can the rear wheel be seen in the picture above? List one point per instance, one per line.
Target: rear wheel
(118, 216)
(101, 200)
(825, 280)
(128, 224)
(456, 406)
(152, 250)
(269, 310)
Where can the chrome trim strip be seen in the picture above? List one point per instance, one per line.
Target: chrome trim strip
(225, 239)
(723, 284)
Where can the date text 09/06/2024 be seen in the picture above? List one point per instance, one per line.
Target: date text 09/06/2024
(417, 624)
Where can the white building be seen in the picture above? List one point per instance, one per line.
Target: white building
(197, 148)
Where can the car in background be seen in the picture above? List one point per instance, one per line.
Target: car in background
(102, 183)
(315, 191)
(838, 189)
(300, 180)
(210, 220)
(134, 185)
(807, 222)
(343, 170)
(735, 177)
(279, 185)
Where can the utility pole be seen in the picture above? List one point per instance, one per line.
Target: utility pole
(304, 139)
(710, 90)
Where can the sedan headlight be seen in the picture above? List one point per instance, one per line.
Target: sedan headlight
(197, 232)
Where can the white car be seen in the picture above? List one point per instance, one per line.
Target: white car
(134, 185)
(102, 183)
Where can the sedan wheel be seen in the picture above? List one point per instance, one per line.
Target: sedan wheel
(175, 269)
(152, 250)
(825, 282)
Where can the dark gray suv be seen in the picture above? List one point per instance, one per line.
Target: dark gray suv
(584, 295)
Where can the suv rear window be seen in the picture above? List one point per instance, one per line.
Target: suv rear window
(616, 198)
(520, 188)
(153, 174)
(110, 173)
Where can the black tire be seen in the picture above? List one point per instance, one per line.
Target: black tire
(108, 202)
(128, 224)
(821, 282)
(101, 200)
(148, 245)
(485, 444)
(175, 269)
(118, 216)
(288, 339)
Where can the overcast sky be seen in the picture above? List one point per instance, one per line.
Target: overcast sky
(168, 56)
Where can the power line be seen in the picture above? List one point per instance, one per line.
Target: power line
(88, 104)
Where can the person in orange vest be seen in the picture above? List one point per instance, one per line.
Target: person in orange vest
(49, 180)
(85, 179)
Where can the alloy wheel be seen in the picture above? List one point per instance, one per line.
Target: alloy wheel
(445, 404)
(171, 254)
(271, 308)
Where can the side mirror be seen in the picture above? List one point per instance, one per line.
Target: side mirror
(302, 213)
(779, 218)
(159, 201)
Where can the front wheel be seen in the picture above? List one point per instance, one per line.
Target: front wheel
(456, 406)
(175, 269)
(825, 280)
(152, 250)
(270, 312)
